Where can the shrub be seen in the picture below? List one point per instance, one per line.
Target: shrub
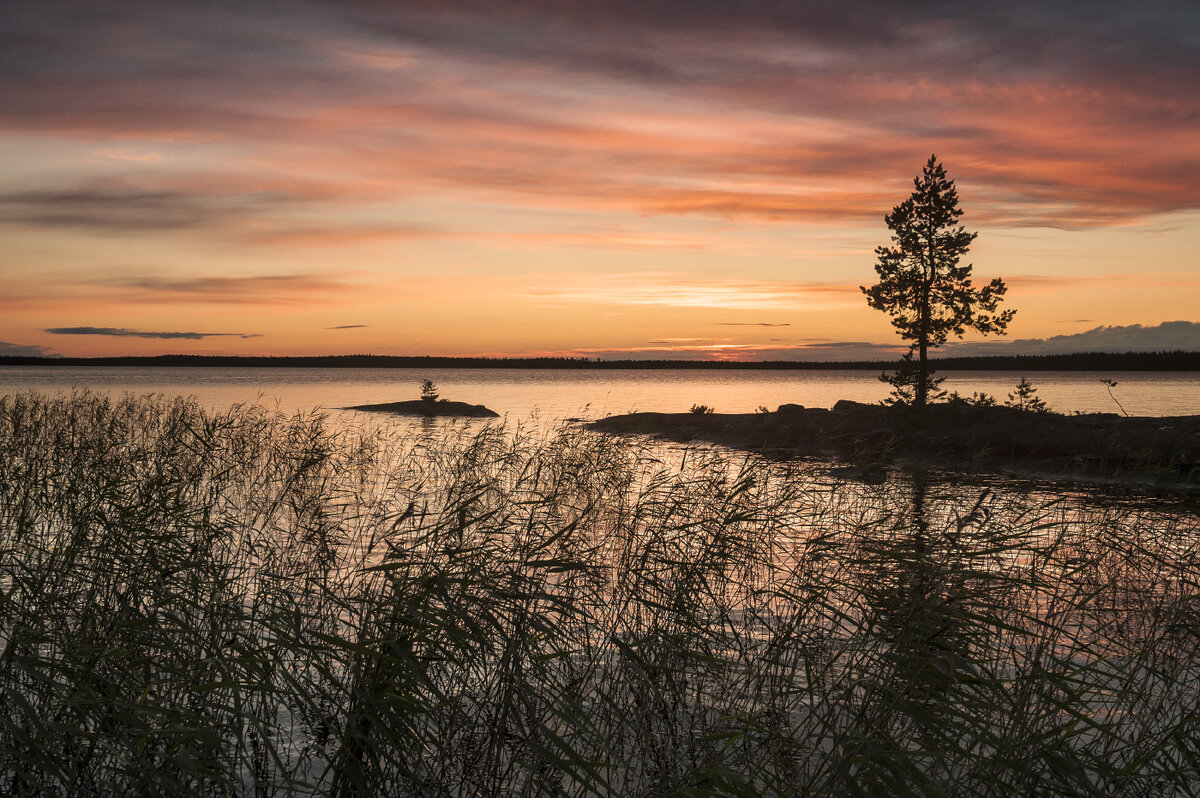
(906, 383)
(701, 410)
(976, 399)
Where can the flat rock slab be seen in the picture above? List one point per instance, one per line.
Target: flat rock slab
(419, 407)
(948, 436)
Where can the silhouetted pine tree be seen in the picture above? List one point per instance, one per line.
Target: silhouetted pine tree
(922, 285)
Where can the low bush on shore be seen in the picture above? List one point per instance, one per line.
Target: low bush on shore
(239, 602)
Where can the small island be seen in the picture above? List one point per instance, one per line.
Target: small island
(439, 408)
(429, 406)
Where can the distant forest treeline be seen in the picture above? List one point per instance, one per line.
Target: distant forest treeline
(1082, 361)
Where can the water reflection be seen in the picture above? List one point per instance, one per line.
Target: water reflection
(914, 587)
(560, 394)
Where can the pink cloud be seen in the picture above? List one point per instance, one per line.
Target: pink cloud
(775, 124)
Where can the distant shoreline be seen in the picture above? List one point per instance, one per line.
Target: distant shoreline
(1086, 361)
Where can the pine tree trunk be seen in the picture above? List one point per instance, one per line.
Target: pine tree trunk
(922, 375)
(923, 344)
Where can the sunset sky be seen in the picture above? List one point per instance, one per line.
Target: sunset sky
(634, 178)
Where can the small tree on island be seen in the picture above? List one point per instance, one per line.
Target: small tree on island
(922, 285)
(429, 391)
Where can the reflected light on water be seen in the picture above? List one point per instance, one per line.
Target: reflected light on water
(554, 394)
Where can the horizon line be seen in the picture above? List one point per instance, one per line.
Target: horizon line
(1178, 359)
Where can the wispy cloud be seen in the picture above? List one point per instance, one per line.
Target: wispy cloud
(250, 208)
(751, 324)
(25, 350)
(121, 332)
(286, 234)
(348, 327)
(686, 342)
(682, 349)
(677, 290)
(115, 211)
(1039, 283)
(73, 293)
(256, 290)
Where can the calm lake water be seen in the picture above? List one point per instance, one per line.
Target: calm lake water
(552, 394)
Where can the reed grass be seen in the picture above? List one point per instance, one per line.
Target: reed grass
(242, 603)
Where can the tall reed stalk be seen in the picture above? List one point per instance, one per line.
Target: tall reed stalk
(239, 602)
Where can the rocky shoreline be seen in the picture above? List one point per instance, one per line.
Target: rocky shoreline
(870, 438)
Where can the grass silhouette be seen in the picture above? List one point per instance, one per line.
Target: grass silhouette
(241, 602)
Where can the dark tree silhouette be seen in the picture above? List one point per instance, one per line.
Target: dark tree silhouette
(429, 391)
(922, 285)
